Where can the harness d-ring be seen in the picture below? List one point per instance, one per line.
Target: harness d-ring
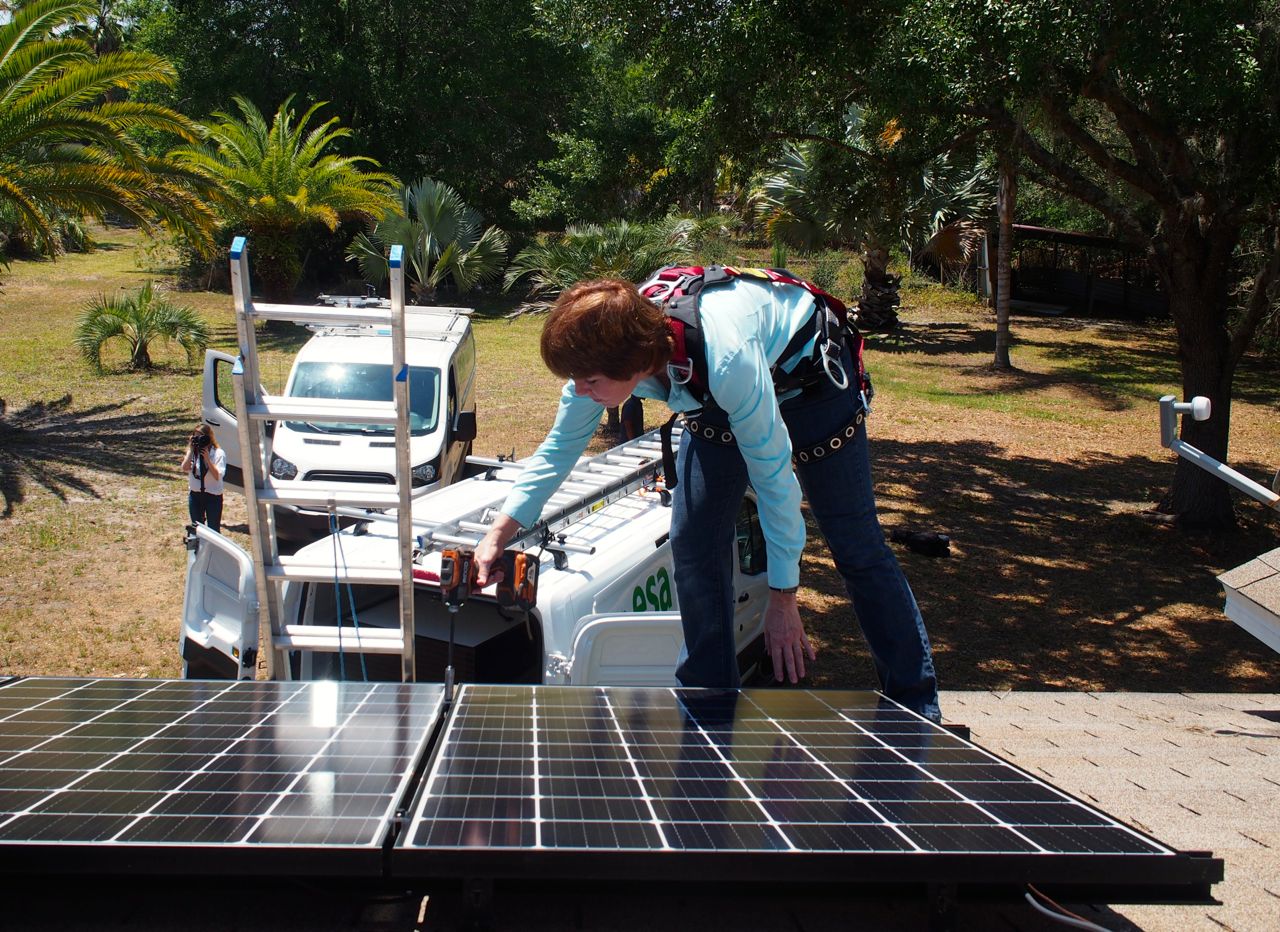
(829, 362)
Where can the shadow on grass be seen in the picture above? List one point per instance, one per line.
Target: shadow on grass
(1058, 579)
(938, 338)
(1114, 364)
(47, 442)
(287, 338)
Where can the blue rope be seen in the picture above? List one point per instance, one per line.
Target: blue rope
(337, 597)
(351, 599)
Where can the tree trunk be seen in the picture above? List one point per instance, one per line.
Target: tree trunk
(1198, 297)
(877, 310)
(1006, 202)
(277, 267)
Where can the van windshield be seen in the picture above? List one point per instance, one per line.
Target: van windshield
(366, 381)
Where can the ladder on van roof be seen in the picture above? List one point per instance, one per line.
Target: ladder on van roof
(263, 492)
(591, 484)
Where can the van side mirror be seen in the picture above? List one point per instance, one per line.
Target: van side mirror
(464, 426)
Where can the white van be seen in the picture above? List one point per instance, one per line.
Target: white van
(606, 611)
(355, 363)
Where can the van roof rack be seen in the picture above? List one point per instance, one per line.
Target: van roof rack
(593, 483)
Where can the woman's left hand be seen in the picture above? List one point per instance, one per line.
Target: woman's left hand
(785, 638)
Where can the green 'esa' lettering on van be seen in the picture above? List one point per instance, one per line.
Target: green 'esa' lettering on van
(654, 595)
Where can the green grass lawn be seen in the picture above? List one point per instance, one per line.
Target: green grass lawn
(1043, 477)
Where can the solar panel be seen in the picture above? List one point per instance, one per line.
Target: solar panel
(825, 785)
(182, 769)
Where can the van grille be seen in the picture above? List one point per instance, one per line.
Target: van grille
(329, 475)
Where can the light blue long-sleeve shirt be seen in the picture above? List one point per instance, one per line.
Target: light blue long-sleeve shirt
(746, 324)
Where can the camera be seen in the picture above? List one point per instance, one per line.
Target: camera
(199, 442)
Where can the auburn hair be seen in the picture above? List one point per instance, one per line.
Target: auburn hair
(605, 327)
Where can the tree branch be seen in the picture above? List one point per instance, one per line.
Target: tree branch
(1067, 178)
(1260, 299)
(1087, 143)
(1139, 126)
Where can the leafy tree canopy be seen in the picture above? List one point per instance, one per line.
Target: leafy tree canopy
(1164, 118)
(468, 93)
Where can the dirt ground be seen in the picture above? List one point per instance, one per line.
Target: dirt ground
(1044, 479)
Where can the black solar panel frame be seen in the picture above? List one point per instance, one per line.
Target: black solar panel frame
(19, 856)
(1172, 877)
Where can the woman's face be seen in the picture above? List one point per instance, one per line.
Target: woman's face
(604, 390)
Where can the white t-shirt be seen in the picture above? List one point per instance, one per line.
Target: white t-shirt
(211, 485)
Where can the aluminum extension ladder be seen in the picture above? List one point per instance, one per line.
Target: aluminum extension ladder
(263, 492)
(593, 482)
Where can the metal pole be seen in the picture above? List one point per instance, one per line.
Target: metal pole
(1200, 409)
(404, 474)
(248, 388)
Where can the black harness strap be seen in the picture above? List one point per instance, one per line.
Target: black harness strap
(668, 455)
(678, 289)
(817, 451)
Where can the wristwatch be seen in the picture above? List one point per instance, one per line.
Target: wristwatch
(788, 590)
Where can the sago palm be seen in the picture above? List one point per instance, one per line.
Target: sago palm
(276, 179)
(65, 148)
(446, 241)
(139, 320)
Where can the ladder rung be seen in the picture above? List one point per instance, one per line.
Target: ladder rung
(447, 538)
(296, 571)
(324, 316)
(324, 410)
(589, 478)
(323, 495)
(607, 471)
(365, 640)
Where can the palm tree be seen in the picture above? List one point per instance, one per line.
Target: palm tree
(104, 29)
(618, 249)
(140, 320)
(866, 194)
(275, 180)
(65, 148)
(446, 239)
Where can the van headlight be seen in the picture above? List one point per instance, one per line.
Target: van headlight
(281, 468)
(425, 473)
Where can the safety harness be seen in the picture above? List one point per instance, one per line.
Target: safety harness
(679, 289)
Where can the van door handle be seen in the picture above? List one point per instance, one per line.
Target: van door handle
(744, 597)
(211, 422)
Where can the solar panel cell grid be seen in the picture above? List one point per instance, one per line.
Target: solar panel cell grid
(617, 769)
(198, 764)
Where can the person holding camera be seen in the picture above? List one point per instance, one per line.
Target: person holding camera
(204, 464)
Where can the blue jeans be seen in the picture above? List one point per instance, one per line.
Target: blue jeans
(712, 482)
(205, 508)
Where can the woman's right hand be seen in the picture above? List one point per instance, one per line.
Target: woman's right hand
(490, 549)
